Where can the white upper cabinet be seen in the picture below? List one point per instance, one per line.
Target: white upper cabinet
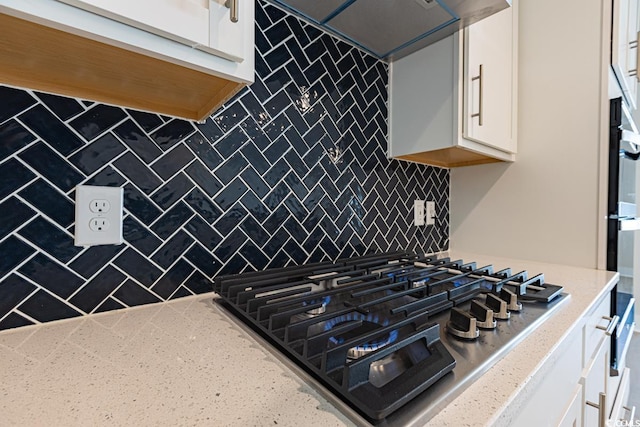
(624, 48)
(182, 58)
(203, 24)
(489, 82)
(454, 103)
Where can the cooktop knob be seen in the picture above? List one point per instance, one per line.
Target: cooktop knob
(483, 315)
(499, 307)
(512, 300)
(462, 324)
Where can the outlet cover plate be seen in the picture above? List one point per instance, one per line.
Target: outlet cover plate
(102, 204)
(418, 212)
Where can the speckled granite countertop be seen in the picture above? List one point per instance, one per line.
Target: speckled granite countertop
(185, 363)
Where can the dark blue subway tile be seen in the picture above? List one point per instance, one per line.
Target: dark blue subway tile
(204, 178)
(140, 205)
(232, 142)
(255, 256)
(13, 175)
(51, 239)
(139, 236)
(276, 172)
(172, 279)
(172, 219)
(14, 136)
(97, 120)
(203, 232)
(53, 167)
(97, 154)
(51, 129)
(231, 219)
(202, 204)
(107, 177)
(255, 158)
(13, 213)
(198, 284)
(203, 260)
(277, 195)
(94, 258)
(254, 206)
(51, 276)
(146, 121)
(208, 128)
(254, 231)
(108, 305)
(172, 161)
(133, 294)
(255, 182)
(276, 219)
(172, 249)
(138, 141)
(171, 133)
(183, 291)
(50, 201)
(138, 172)
(63, 107)
(230, 245)
(276, 242)
(14, 320)
(96, 290)
(231, 194)
(13, 251)
(172, 191)
(138, 267)
(204, 150)
(230, 117)
(13, 102)
(44, 307)
(13, 290)
(231, 168)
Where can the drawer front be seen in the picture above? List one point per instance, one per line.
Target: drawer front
(595, 328)
(621, 412)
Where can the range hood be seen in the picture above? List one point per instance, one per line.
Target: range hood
(391, 29)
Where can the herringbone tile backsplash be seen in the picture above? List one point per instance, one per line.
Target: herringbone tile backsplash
(293, 169)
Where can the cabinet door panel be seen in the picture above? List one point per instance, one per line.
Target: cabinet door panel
(573, 415)
(185, 21)
(489, 44)
(226, 38)
(595, 382)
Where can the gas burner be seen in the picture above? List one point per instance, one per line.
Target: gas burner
(369, 324)
(319, 310)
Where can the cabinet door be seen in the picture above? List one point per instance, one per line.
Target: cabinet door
(595, 382)
(185, 21)
(573, 415)
(489, 81)
(227, 37)
(624, 48)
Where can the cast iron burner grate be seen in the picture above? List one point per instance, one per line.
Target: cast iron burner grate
(372, 329)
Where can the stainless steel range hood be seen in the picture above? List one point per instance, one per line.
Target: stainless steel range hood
(391, 29)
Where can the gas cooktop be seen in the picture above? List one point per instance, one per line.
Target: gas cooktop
(395, 336)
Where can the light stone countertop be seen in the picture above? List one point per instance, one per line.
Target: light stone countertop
(185, 363)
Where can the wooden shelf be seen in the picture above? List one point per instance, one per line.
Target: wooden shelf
(449, 158)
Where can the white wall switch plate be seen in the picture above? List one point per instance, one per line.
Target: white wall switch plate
(98, 215)
(418, 212)
(431, 212)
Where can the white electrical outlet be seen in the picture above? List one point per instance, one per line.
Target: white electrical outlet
(418, 212)
(98, 215)
(431, 212)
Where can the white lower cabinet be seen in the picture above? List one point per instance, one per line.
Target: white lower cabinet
(575, 387)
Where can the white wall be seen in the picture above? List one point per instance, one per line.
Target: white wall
(545, 206)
